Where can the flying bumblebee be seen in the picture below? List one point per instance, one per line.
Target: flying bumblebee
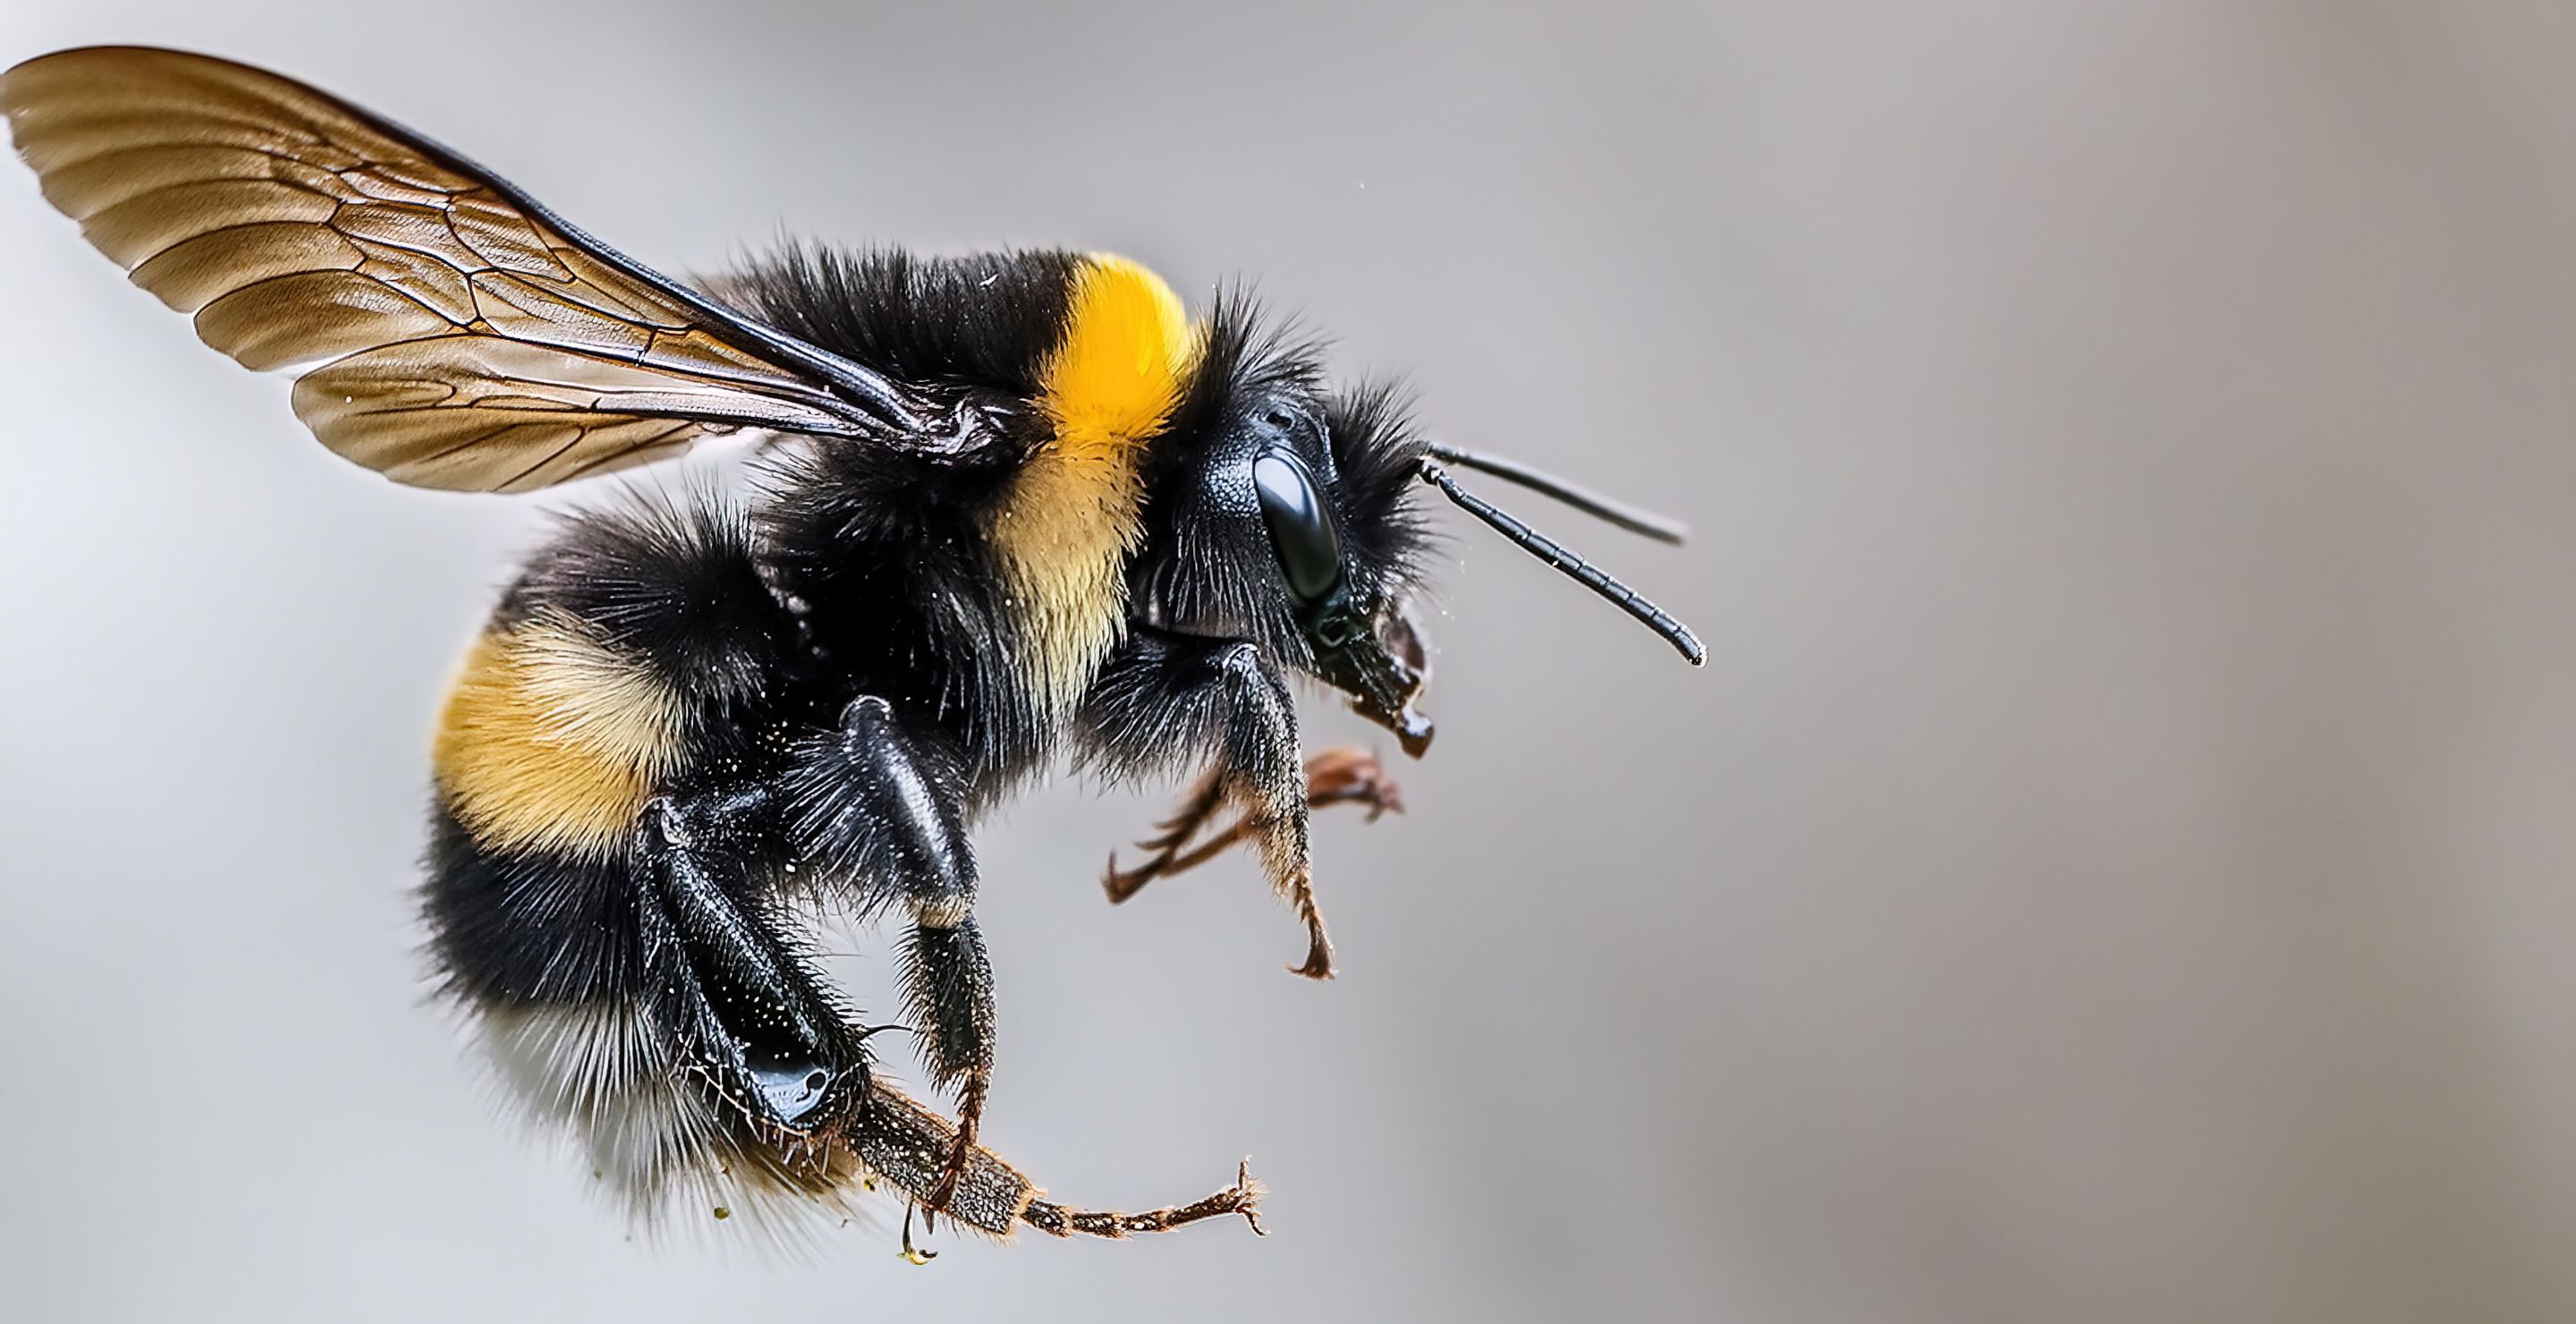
(1019, 511)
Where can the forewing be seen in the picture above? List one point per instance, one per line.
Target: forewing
(468, 338)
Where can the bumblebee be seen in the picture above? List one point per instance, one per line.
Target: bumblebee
(1016, 512)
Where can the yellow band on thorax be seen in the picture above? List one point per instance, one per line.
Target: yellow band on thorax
(1117, 373)
(1072, 517)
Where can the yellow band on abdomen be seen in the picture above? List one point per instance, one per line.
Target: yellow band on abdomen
(552, 741)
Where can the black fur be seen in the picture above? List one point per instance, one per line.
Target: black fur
(1160, 705)
(988, 320)
(519, 929)
(882, 556)
(676, 584)
(881, 549)
(1377, 452)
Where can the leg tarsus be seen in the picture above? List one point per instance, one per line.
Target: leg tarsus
(1243, 1198)
(970, 1120)
(1352, 774)
(1319, 945)
(948, 979)
(1171, 834)
(903, 1142)
(1349, 774)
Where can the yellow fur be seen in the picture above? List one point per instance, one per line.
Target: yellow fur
(1071, 519)
(550, 741)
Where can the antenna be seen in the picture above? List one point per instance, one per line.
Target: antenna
(1661, 528)
(1575, 567)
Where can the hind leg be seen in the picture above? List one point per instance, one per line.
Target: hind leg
(751, 1018)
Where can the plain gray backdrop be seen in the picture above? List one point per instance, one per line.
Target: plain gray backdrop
(2118, 864)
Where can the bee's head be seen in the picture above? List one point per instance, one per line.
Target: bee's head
(1284, 514)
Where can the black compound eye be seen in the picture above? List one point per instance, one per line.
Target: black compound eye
(1301, 529)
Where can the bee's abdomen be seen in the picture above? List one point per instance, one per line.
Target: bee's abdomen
(637, 656)
(521, 928)
(548, 749)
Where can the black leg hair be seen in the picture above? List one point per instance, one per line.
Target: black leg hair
(752, 1021)
(877, 806)
(1267, 777)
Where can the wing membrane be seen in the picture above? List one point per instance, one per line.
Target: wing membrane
(468, 338)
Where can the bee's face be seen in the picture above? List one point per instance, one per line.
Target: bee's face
(1290, 524)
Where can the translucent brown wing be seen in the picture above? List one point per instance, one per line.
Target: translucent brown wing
(469, 338)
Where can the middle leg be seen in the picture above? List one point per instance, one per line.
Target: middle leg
(877, 806)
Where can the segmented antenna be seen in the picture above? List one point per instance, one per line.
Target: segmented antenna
(1575, 567)
(1661, 528)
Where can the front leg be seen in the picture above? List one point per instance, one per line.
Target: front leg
(1346, 774)
(1166, 692)
(878, 805)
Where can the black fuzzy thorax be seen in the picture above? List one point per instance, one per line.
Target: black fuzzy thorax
(986, 320)
(880, 550)
(881, 560)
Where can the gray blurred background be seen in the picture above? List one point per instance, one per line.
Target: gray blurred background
(2119, 863)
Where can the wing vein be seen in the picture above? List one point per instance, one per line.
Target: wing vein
(397, 294)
